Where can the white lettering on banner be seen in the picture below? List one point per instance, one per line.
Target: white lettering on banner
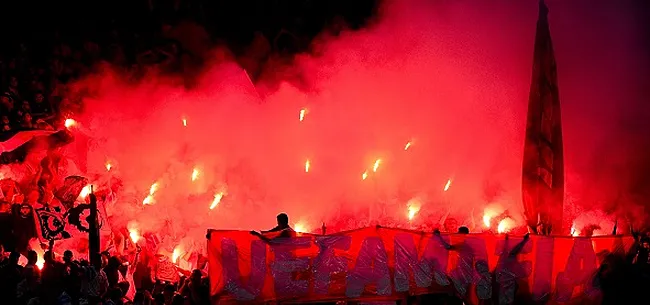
(371, 267)
(327, 263)
(432, 264)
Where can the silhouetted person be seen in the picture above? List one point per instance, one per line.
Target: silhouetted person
(463, 230)
(282, 228)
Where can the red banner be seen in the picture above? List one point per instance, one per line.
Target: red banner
(382, 263)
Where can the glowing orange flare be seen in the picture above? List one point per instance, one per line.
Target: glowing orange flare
(216, 200)
(505, 225)
(406, 147)
(307, 166)
(303, 112)
(69, 123)
(85, 191)
(134, 236)
(412, 211)
(364, 175)
(376, 165)
(195, 174)
(152, 190)
(300, 227)
(177, 253)
(108, 167)
(574, 231)
(447, 185)
(184, 122)
(486, 220)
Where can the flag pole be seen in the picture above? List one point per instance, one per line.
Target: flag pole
(93, 234)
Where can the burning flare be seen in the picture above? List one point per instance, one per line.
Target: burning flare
(133, 231)
(506, 225)
(85, 191)
(364, 175)
(108, 166)
(69, 123)
(307, 165)
(300, 227)
(195, 174)
(412, 210)
(406, 147)
(178, 251)
(184, 122)
(574, 231)
(303, 113)
(152, 190)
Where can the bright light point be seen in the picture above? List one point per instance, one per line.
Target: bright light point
(134, 236)
(148, 200)
(184, 122)
(412, 210)
(505, 225)
(40, 262)
(153, 188)
(108, 167)
(307, 166)
(216, 200)
(364, 175)
(195, 174)
(376, 165)
(69, 123)
(303, 112)
(447, 185)
(406, 147)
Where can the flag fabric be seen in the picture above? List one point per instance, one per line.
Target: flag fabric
(70, 190)
(543, 162)
(16, 147)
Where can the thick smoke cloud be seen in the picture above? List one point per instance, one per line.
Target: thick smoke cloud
(451, 78)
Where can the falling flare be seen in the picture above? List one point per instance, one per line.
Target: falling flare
(70, 123)
(376, 165)
(364, 175)
(447, 185)
(184, 122)
(406, 147)
(216, 200)
(152, 190)
(303, 112)
(195, 174)
(108, 166)
(307, 166)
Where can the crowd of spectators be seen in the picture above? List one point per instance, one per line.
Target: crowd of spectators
(70, 281)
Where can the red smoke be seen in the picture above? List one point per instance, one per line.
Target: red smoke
(448, 80)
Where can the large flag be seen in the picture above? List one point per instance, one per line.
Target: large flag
(15, 147)
(543, 164)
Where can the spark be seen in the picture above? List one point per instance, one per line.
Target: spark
(70, 123)
(303, 112)
(184, 122)
(195, 174)
(376, 165)
(108, 166)
(364, 175)
(408, 145)
(216, 200)
(307, 166)
(447, 185)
